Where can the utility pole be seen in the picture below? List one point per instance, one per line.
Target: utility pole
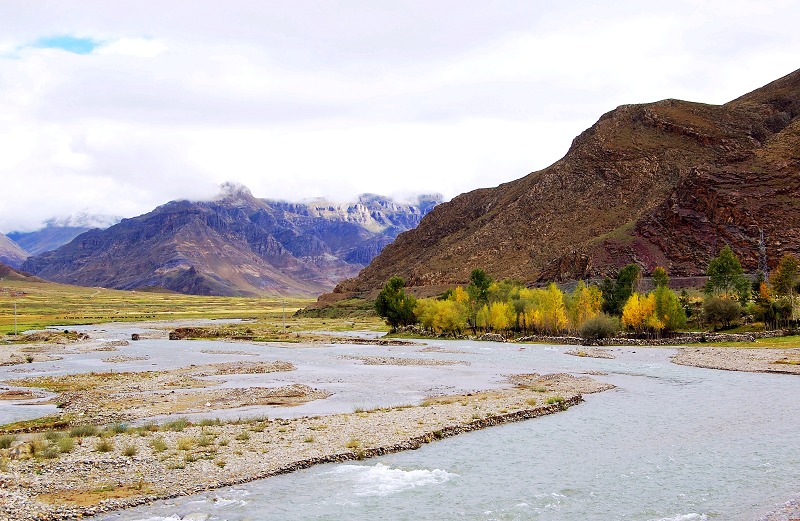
(284, 316)
(15, 318)
(762, 254)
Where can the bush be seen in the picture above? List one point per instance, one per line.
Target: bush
(80, 431)
(177, 425)
(65, 444)
(104, 445)
(722, 312)
(601, 326)
(158, 444)
(130, 451)
(6, 440)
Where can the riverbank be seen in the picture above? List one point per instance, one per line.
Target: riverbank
(755, 360)
(102, 474)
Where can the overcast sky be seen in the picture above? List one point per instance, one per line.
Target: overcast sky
(117, 107)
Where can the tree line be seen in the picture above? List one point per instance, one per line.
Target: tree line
(597, 311)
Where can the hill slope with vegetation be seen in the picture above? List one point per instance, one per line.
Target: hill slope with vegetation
(658, 184)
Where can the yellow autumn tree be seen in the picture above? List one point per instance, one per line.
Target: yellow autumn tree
(638, 312)
(501, 316)
(584, 303)
(483, 318)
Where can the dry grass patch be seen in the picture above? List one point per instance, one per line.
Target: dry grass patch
(85, 498)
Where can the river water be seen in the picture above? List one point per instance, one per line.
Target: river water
(669, 443)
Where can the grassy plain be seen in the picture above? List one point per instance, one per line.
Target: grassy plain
(42, 304)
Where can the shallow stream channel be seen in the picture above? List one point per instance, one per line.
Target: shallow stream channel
(669, 443)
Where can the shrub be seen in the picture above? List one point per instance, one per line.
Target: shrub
(6, 440)
(555, 399)
(720, 311)
(80, 431)
(104, 445)
(177, 425)
(130, 451)
(65, 444)
(204, 440)
(119, 428)
(185, 443)
(158, 444)
(600, 326)
(49, 452)
(53, 435)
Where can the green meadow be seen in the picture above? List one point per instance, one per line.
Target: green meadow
(42, 304)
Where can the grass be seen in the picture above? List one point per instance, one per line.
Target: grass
(130, 451)
(176, 425)
(204, 440)
(43, 304)
(555, 399)
(81, 431)
(65, 444)
(7, 440)
(185, 443)
(781, 342)
(45, 423)
(158, 444)
(104, 445)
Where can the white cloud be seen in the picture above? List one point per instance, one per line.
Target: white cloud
(136, 47)
(298, 99)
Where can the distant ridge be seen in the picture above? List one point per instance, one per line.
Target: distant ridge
(59, 231)
(11, 253)
(235, 245)
(657, 184)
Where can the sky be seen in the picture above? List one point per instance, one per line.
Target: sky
(114, 108)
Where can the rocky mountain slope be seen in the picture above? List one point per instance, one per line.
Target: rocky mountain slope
(659, 184)
(11, 253)
(58, 232)
(234, 245)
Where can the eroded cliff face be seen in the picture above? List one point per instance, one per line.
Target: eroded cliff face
(659, 184)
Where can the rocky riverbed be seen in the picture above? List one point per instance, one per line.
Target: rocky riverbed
(125, 467)
(758, 360)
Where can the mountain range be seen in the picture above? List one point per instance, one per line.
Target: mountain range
(58, 232)
(234, 245)
(657, 184)
(11, 253)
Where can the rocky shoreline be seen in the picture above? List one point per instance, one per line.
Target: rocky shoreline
(142, 466)
(754, 360)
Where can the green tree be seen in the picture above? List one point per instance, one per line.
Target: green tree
(786, 278)
(616, 294)
(660, 277)
(478, 288)
(394, 305)
(721, 311)
(669, 309)
(726, 276)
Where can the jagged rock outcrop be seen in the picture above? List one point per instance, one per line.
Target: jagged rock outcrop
(659, 184)
(234, 245)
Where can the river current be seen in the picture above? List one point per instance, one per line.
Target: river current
(670, 443)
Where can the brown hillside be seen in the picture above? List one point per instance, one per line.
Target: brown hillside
(665, 183)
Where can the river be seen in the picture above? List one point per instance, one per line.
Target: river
(669, 443)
